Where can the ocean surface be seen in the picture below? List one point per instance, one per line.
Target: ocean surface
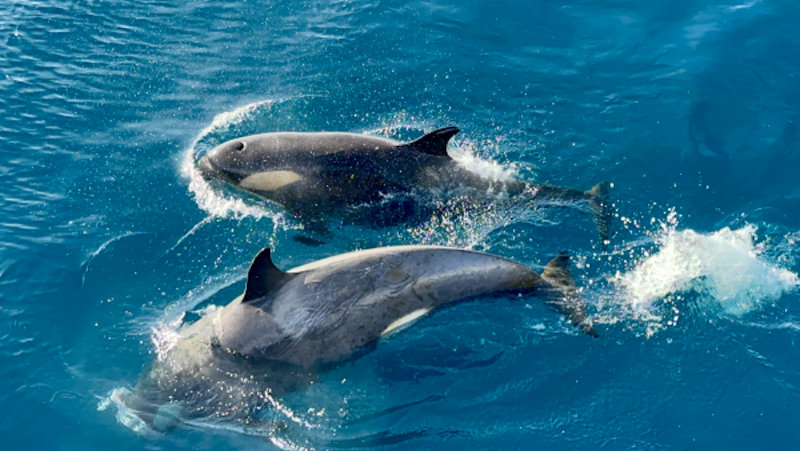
(110, 240)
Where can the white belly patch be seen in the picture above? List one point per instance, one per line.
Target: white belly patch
(269, 180)
(404, 320)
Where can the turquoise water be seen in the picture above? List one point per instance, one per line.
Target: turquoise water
(110, 240)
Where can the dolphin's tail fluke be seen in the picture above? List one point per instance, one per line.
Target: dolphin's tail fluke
(564, 296)
(600, 204)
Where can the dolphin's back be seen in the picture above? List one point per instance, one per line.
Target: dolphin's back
(333, 307)
(317, 143)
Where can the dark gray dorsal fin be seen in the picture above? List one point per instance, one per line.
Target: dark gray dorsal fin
(433, 143)
(263, 277)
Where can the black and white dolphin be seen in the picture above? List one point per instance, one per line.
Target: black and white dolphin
(288, 325)
(368, 179)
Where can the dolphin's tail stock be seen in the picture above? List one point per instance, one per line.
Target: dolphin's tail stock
(597, 198)
(563, 295)
(600, 204)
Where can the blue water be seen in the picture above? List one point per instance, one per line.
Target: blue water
(109, 240)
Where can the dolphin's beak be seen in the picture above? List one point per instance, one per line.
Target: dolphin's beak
(209, 169)
(205, 166)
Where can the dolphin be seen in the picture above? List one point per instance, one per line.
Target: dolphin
(289, 325)
(368, 179)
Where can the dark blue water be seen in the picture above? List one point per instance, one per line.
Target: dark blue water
(691, 108)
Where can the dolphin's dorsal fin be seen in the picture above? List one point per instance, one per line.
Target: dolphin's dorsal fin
(263, 277)
(433, 143)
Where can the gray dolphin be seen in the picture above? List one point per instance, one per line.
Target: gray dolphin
(367, 179)
(290, 324)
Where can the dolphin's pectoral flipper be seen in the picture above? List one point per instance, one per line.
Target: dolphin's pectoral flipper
(264, 277)
(389, 212)
(433, 143)
(314, 228)
(563, 295)
(600, 203)
(316, 231)
(307, 240)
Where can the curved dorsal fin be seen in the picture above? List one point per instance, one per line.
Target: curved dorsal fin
(264, 277)
(433, 143)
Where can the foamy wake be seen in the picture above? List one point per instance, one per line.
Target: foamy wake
(466, 155)
(725, 269)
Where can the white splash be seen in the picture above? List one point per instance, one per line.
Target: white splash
(166, 335)
(125, 415)
(724, 267)
(466, 156)
(745, 5)
(209, 199)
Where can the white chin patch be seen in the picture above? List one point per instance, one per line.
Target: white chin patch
(404, 321)
(269, 180)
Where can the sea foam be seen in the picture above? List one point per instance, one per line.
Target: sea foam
(726, 269)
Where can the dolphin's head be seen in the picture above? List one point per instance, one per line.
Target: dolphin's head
(252, 163)
(233, 160)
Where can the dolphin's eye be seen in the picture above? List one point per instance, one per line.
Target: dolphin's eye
(238, 146)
